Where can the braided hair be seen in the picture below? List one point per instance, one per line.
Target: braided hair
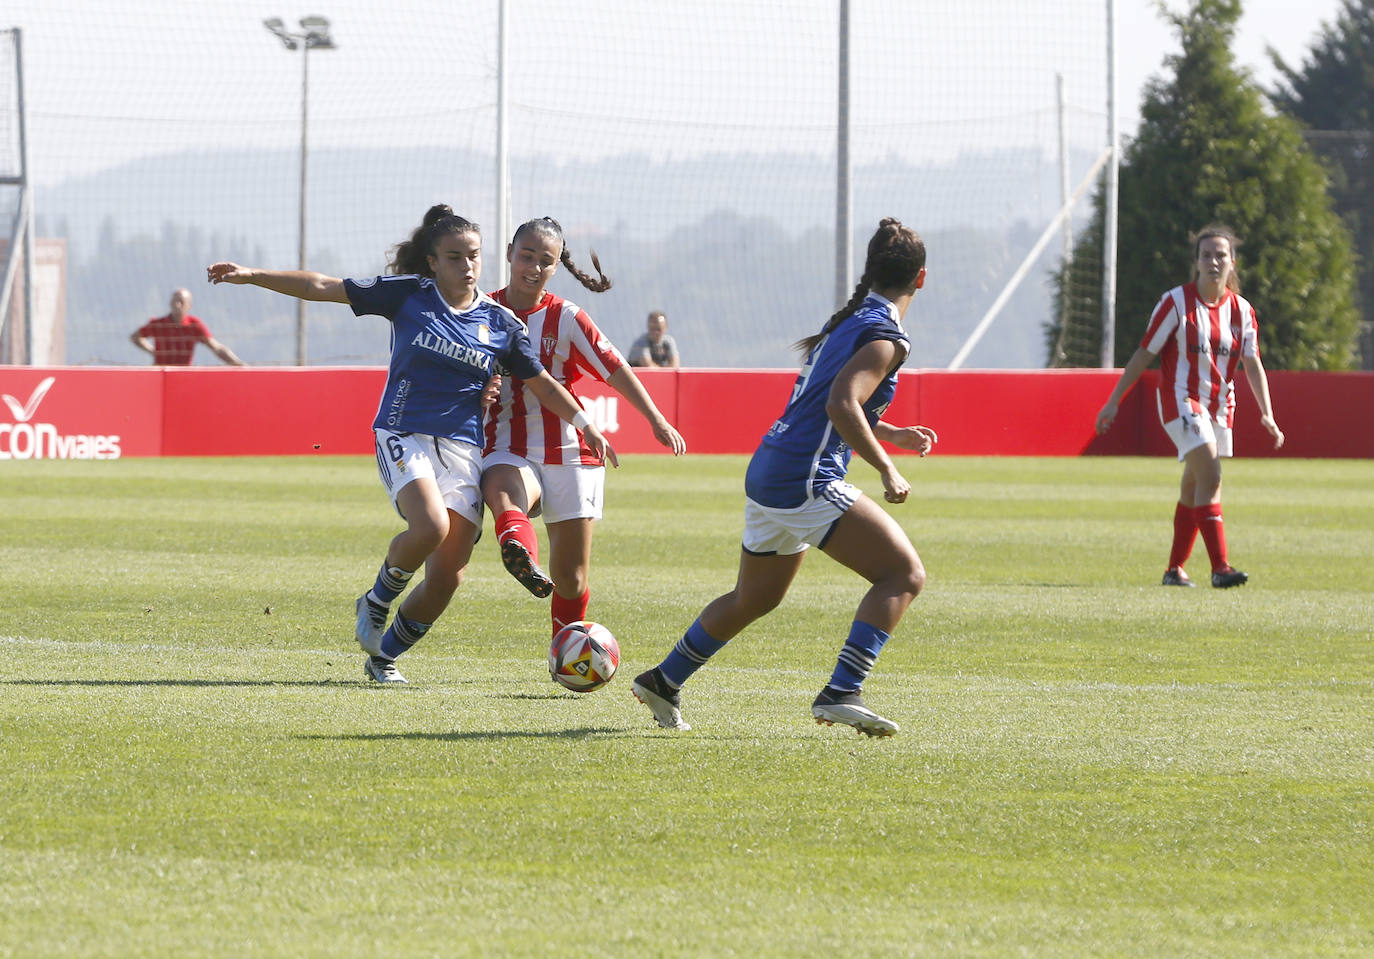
(549, 228)
(896, 255)
(411, 256)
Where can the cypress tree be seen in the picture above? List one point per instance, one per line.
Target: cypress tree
(1207, 151)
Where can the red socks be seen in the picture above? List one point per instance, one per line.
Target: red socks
(515, 524)
(567, 611)
(1213, 530)
(1185, 533)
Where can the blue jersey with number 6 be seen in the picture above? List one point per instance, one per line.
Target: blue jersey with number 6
(441, 358)
(802, 452)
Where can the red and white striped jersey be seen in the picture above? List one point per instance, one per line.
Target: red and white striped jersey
(570, 346)
(1200, 345)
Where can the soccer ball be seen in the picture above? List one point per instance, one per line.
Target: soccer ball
(583, 656)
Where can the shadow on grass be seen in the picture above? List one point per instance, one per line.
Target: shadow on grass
(581, 732)
(550, 695)
(175, 682)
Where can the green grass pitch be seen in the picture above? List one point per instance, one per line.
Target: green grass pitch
(1089, 764)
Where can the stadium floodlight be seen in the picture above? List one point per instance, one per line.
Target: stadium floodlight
(313, 35)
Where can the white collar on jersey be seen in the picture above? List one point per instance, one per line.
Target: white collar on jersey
(891, 307)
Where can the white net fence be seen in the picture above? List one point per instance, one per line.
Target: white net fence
(692, 145)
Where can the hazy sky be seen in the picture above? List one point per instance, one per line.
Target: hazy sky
(1289, 26)
(77, 36)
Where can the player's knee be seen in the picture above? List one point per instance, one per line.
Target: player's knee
(430, 531)
(913, 579)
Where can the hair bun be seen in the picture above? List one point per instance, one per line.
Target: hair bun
(437, 213)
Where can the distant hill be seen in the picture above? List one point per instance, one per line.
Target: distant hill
(737, 249)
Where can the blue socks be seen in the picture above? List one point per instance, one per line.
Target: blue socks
(856, 659)
(858, 656)
(689, 655)
(402, 634)
(391, 582)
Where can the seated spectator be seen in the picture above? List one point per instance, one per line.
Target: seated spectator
(171, 339)
(655, 347)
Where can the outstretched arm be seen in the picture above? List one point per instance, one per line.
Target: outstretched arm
(558, 401)
(1137, 364)
(624, 382)
(302, 284)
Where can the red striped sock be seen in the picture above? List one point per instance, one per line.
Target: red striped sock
(1213, 530)
(1185, 534)
(565, 611)
(514, 523)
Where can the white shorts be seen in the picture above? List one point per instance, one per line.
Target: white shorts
(562, 492)
(454, 465)
(1195, 428)
(786, 532)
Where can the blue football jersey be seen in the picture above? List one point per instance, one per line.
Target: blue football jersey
(440, 357)
(802, 451)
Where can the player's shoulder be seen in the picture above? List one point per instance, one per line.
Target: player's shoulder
(497, 315)
(392, 284)
(879, 315)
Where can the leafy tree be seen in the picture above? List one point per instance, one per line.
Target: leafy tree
(1333, 96)
(1207, 151)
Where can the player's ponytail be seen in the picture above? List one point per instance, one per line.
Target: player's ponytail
(896, 255)
(411, 256)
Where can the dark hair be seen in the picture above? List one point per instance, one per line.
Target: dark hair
(548, 227)
(1218, 231)
(896, 256)
(411, 256)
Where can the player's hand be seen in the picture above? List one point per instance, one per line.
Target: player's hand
(492, 391)
(227, 273)
(1105, 417)
(670, 438)
(917, 439)
(895, 487)
(1268, 423)
(599, 445)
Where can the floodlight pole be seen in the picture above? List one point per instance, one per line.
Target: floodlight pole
(844, 206)
(305, 193)
(503, 216)
(1110, 221)
(314, 35)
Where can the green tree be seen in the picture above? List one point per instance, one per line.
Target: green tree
(1332, 95)
(1207, 151)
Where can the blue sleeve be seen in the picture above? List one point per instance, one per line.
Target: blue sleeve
(520, 357)
(380, 295)
(883, 331)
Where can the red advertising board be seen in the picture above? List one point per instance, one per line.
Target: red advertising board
(64, 413)
(270, 412)
(60, 412)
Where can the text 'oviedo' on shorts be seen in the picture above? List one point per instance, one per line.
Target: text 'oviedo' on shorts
(573, 491)
(455, 466)
(786, 532)
(1195, 428)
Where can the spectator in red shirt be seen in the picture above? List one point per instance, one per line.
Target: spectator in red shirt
(172, 338)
